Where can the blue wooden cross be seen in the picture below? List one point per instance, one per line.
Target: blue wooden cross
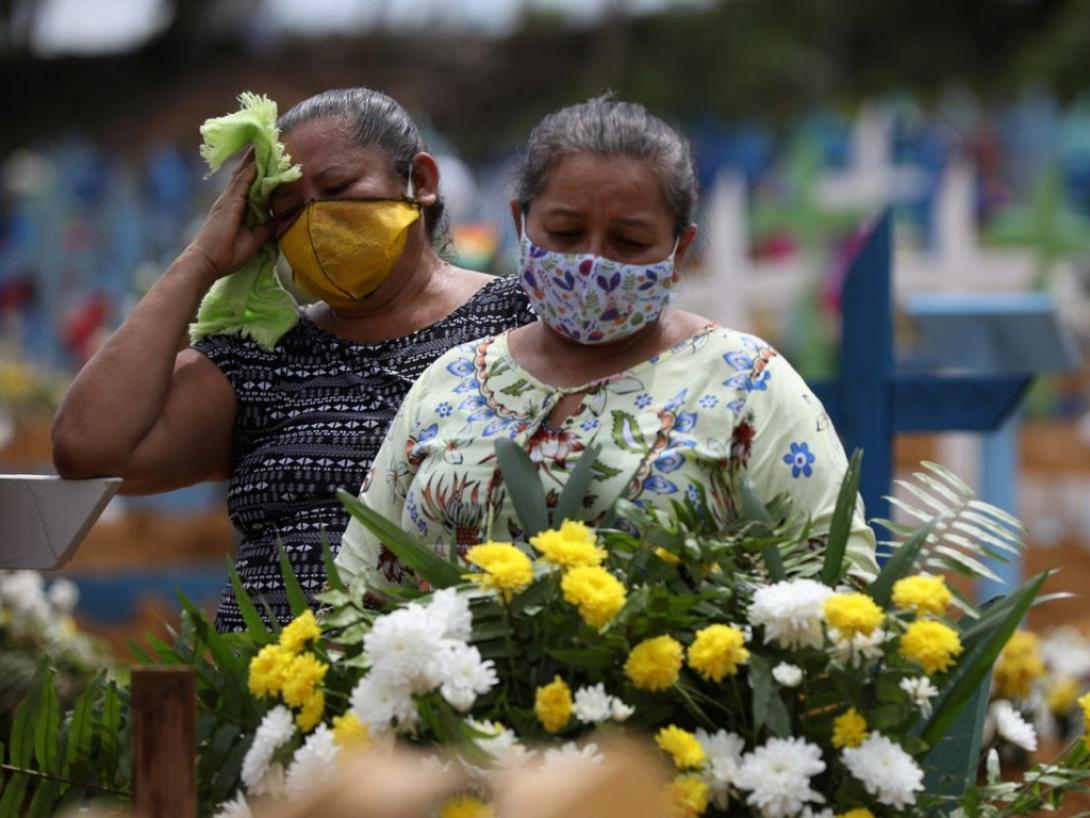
(871, 401)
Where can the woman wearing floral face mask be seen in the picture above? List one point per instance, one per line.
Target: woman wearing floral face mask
(679, 406)
(291, 424)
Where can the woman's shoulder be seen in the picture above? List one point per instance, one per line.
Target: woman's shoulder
(502, 297)
(301, 343)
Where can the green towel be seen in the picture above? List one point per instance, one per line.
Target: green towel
(251, 301)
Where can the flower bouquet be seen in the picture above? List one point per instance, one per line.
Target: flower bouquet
(772, 680)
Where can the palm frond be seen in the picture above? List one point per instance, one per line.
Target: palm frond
(967, 533)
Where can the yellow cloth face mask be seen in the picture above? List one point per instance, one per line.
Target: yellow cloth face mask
(341, 250)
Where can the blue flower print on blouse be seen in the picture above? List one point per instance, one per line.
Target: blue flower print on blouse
(709, 401)
(799, 459)
(443, 410)
(643, 401)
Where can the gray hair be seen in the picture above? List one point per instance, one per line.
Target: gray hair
(375, 121)
(610, 127)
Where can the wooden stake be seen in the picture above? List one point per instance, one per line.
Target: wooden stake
(164, 742)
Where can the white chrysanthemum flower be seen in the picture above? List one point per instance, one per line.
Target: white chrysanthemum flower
(463, 675)
(314, 761)
(63, 595)
(1066, 652)
(571, 753)
(920, 691)
(777, 775)
(787, 675)
(855, 651)
(1012, 727)
(886, 771)
(275, 730)
(791, 612)
(24, 593)
(449, 610)
(237, 807)
(272, 784)
(619, 710)
(501, 743)
(402, 646)
(377, 701)
(807, 812)
(593, 704)
(724, 756)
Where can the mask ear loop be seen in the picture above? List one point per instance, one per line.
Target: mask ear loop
(409, 193)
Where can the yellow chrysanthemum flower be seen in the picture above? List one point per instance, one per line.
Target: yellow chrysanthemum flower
(858, 812)
(466, 806)
(267, 671)
(303, 629)
(552, 704)
(930, 644)
(667, 557)
(849, 729)
(301, 678)
(311, 712)
(506, 569)
(654, 663)
(349, 731)
(595, 591)
(921, 593)
(718, 651)
(682, 747)
(570, 546)
(1062, 695)
(1084, 702)
(1019, 665)
(853, 614)
(687, 797)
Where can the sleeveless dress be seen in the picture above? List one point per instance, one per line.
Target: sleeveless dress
(310, 417)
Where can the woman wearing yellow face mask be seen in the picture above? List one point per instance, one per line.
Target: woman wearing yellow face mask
(289, 426)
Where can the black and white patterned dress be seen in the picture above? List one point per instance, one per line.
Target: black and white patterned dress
(310, 417)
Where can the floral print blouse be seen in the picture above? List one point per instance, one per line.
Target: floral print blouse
(698, 414)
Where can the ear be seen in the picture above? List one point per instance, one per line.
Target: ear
(425, 173)
(516, 215)
(683, 244)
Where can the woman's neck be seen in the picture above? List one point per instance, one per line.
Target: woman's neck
(558, 361)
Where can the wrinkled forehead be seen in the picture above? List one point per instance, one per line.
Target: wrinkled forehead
(628, 188)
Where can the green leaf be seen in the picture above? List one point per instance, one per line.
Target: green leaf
(254, 623)
(297, 600)
(45, 798)
(77, 746)
(227, 660)
(424, 562)
(768, 707)
(582, 657)
(141, 656)
(11, 801)
(754, 509)
(109, 734)
(21, 745)
(977, 662)
(523, 486)
(898, 565)
(332, 574)
(841, 524)
(47, 727)
(570, 503)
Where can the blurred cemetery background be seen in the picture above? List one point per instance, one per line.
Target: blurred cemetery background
(970, 120)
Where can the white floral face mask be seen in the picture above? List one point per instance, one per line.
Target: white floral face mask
(591, 299)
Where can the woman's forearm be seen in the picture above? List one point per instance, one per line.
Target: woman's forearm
(119, 394)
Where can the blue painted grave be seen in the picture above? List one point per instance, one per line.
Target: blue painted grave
(872, 399)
